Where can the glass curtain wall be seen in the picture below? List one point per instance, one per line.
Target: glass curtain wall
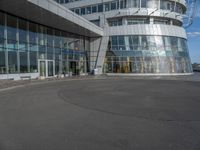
(2, 44)
(23, 43)
(173, 6)
(147, 54)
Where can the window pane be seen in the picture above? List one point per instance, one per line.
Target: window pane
(94, 9)
(107, 6)
(11, 27)
(121, 42)
(82, 11)
(33, 62)
(23, 35)
(11, 32)
(100, 8)
(144, 43)
(2, 23)
(12, 62)
(23, 62)
(2, 63)
(113, 5)
(88, 10)
(32, 33)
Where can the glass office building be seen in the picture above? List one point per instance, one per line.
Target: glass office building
(48, 38)
(143, 36)
(29, 48)
(147, 54)
(26, 45)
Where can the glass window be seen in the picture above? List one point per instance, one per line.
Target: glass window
(32, 33)
(2, 63)
(100, 8)
(151, 42)
(113, 5)
(82, 11)
(61, 1)
(57, 38)
(11, 32)
(2, 25)
(152, 3)
(116, 22)
(135, 42)
(121, 42)
(167, 43)
(77, 11)
(94, 9)
(22, 30)
(12, 61)
(96, 22)
(132, 21)
(107, 7)
(50, 37)
(23, 35)
(11, 27)
(57, 53)
(114, 41)
(23, 62)
(143, 3)
(76, 44)
(174, 41)
(135, 3)
(130, 42)
(88, 10)
(33, 62)
(122, 4)
(184, 45)
(42, 35)
(50, 52)
(159, 42)
(144, 43)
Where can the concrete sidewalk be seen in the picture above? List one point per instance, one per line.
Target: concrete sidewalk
(6, 84)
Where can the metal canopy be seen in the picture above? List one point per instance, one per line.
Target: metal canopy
(49, 13)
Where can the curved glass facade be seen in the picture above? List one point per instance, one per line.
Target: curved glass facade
(166, 53)
(124, 4)
(24, 43)
(147, 54)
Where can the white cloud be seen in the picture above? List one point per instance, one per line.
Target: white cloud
(197, 10)
(197, 13)
(193, 34)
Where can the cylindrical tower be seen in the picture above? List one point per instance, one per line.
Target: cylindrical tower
(144, 36)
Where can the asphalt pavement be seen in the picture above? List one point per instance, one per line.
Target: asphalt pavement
(101, 114)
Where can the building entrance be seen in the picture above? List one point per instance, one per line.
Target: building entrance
(46, 68)
(74, 67)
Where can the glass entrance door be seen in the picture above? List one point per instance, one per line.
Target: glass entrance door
(50, 69)
(74, 67)
(46, 68)
(42, 65)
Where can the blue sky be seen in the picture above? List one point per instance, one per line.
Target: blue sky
(193, 33)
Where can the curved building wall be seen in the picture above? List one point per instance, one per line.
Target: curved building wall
(144, 36)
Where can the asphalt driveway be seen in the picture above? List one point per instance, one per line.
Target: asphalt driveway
(101, 114)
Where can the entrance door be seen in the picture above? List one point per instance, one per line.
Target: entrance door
(50, 69)
(42, 66)
(74, 68)
(46, 68)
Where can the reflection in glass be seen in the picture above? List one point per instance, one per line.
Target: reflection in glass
(147, 54)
